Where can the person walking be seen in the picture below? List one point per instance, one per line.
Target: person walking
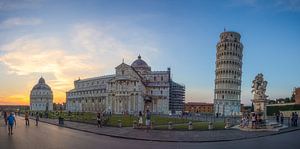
(281, 118)
(140, 119)
(296, 119)
(11, 121)
(99, 120)
(277, 117)
(253, 121)
(5, 117)
(37, 118)
(26, 119)
(292, 119)
(148, 120)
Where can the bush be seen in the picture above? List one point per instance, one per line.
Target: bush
(275, 109)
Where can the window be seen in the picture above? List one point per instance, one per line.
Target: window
(122, 72)
(154, 78)
(161, 78)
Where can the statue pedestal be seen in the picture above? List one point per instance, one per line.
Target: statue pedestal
(260, 107)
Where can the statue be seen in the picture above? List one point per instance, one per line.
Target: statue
(259, 86)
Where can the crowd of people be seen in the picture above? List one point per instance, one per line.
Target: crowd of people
(100, 117)
(257, 122)
(10, 120)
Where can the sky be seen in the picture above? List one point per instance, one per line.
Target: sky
(63, 40)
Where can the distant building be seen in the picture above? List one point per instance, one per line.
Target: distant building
(41, 97)
(177, 97)
(199, 107)
(58, 106)
(297, 95)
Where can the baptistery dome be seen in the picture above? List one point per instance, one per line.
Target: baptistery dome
(41, 85)
(41, 96)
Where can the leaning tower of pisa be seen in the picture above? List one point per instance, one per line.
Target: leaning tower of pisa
(227, 96)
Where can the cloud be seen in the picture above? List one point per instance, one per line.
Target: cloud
(17, 21)
(86, 51)
(289, 5)
(279, 5)
(29, 55)
(10, 5)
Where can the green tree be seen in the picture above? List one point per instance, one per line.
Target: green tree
(293, 97)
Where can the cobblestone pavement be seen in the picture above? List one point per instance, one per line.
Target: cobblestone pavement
(166, 135)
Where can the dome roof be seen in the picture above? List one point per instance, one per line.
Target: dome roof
(139, 63)
(41, 85)
(42, 80)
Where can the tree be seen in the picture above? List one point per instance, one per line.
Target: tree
(293, 97)
(287, 100)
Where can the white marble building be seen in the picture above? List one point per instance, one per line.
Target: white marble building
(227, 97)
(131, 89)
(41, 97)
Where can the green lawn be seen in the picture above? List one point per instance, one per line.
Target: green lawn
(160, 123)
(127, 121)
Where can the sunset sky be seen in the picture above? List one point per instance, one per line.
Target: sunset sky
(63, 40)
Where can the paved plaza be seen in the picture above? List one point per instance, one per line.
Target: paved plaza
(51, 136)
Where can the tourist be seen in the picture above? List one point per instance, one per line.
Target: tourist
(256, 120)
(26, 119)
(292, 119)
(277, 117)
(253, 121)
(148, 119)
(281, 118)
(140, 119)
(5, 117)
(99, 120)
(259, 121)
(296, 119)
(11, 121)
(37, 118)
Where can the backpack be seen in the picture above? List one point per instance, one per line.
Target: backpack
(11, 120)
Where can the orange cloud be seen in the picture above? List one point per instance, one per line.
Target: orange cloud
(89, 52)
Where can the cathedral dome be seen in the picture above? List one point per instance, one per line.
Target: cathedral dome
(41, 85)
(139, 63)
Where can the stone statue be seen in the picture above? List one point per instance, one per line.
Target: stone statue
(259, 86)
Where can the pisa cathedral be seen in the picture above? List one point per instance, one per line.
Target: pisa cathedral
(131, 89)
(227, 94)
